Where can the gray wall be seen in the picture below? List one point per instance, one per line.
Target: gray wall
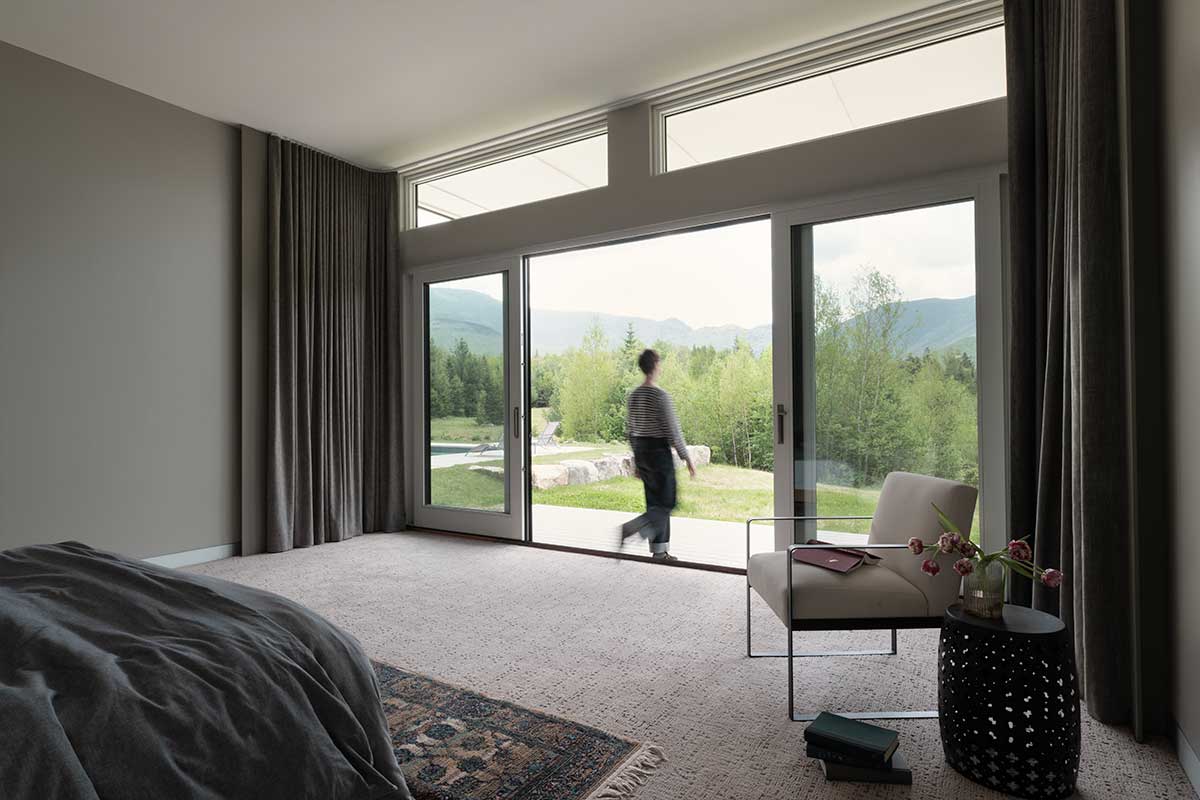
(1181, 217)
(255, 317)
(119, 313)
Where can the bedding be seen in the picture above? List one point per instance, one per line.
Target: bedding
(121, 679)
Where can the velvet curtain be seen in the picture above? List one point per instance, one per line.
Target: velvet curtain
(334, 458)
(1075, 385)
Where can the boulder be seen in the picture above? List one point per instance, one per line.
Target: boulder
(580, 472)
(547, 476)
(701, 455)
(608, 467)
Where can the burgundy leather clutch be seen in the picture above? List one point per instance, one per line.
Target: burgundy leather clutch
(838, 559)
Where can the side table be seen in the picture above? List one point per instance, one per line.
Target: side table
(1008, 701)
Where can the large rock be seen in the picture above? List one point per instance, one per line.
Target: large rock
(701, 455)
(608, 467)
(547, 476)
(580, 472)
(627, 468)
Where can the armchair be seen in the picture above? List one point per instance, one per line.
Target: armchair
(888, 595)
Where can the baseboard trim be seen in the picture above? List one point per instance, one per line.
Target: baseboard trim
(1187, 759)
(189, 557)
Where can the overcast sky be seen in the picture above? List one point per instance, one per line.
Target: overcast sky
(722, 276)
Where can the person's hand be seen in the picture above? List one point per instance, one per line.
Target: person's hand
(691, 468)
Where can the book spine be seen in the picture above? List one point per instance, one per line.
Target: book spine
(825, 754)
(872, 757)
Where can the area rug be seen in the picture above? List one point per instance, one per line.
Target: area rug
(453, 744)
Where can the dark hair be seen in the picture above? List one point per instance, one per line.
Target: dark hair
(647, 361)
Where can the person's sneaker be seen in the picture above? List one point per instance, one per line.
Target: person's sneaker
(664, 557)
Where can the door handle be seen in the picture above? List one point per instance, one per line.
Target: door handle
(780, 413)
(516, 426)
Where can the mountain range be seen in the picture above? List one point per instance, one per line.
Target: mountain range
(933, 324)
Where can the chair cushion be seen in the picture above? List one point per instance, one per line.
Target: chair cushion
(905, 509)
(869, 591)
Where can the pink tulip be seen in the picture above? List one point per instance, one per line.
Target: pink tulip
(916, 545)
(967, 548)
(1020, 550)
(964, 566)
(948, 542)
(930, 567)
(1052, 578)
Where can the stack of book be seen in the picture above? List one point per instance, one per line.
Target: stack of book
(850, 750)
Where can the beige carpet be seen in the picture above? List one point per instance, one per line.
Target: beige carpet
(651, 653)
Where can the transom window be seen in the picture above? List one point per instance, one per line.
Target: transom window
(558, 170)
(947, 74)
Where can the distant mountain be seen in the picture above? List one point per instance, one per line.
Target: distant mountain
(934, 324)
(556, 331)
(465, 314)
(939, 325)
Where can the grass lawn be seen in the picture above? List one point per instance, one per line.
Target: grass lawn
(466, 429)
(463, 429)
(719, 492)
(460, 487)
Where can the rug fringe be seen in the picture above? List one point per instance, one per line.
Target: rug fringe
(632, 775)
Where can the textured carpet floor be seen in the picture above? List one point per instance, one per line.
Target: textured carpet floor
(651, 653)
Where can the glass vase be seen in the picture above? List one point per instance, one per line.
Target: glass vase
(983, 590)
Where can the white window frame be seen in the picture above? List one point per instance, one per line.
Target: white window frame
(508, 524)
(891, 37)
(985, 188)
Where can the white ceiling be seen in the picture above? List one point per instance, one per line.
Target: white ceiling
(384, 82)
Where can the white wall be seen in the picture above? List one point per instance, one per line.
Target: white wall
(118, 316)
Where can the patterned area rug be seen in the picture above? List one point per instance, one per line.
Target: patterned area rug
(453, 744)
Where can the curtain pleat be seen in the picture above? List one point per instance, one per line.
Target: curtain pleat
(1069, 417)
(335, 467)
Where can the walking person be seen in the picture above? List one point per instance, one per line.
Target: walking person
(653, 431)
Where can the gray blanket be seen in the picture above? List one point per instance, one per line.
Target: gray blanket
(123, 680)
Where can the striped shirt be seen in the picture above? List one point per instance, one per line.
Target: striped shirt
(651, 414)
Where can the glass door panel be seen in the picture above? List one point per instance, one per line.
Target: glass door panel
(470, 399)
(465, 399)
(884, 359)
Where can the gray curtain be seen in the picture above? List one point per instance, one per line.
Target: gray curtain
(334, 466)
(1075, 386)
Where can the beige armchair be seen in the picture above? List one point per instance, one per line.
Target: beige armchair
(890, 594)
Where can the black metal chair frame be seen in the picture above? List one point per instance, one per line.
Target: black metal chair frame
(833, 624)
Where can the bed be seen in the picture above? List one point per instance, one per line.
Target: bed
(121, 679)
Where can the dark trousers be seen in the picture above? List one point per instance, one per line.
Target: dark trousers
(652, 457)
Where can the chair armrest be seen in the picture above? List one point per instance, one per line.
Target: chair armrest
(787, 519)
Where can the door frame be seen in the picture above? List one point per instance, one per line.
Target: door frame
(985, 185)
(508, 524)
(985, 188)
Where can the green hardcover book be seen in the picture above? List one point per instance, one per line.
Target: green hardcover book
(852, 737)
(825, 754)
(898, 773)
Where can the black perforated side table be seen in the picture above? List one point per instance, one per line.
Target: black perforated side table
(1008, 701)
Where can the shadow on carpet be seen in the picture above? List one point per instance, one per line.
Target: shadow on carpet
(453, 744)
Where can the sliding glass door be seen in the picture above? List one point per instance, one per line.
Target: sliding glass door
(470, 419)
(808, 356)
(888, 307)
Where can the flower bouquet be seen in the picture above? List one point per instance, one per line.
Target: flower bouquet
(984, 574)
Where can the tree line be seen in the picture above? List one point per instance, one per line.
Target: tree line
(465, 384)
(878, 407)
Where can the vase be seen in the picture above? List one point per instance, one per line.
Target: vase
(983, 590)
